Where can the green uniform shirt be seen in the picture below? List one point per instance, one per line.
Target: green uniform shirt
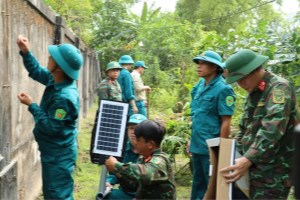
(126, 83)
(56, 117)
(109, 91)
(266, 131)
(155, 177)
(209, 103)
(55, 130)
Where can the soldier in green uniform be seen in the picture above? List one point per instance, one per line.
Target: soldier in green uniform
(212, 105)
(126, 190)
(153, 171)
(126, 83)
(265, 138)
(109, 88)
(56, 117)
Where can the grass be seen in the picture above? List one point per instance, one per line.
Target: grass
(87, 174)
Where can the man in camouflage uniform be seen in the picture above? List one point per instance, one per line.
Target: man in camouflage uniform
(153, 171)
(126, 190)
(109, 88)
(266, 130)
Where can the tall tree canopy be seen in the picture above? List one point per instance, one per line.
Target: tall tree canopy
(220, 15)
(77, 14)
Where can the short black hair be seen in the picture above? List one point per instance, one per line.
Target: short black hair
(150, 130)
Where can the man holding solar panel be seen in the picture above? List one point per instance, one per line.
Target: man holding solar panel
(153, 171)
(126, 189)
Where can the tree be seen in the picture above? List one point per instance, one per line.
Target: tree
(222, 15)
(77, 14)
(111, 36)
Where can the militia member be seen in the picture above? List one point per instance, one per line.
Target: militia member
(265, 138)
(153, 171)
(139, 88)
(109, 88)
(212, 106)
(126, 190)
(126, 83)
(56, 117)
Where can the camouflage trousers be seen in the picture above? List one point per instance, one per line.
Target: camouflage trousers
(269, 193)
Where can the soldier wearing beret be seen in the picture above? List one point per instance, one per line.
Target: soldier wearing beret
(265, 138)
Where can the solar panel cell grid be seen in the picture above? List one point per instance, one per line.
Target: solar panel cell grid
(110, 128)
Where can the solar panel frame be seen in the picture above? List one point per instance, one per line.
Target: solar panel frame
(111, 128)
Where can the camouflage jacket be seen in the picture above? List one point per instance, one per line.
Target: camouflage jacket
(266, 132)
(109, 91)
(155, 178)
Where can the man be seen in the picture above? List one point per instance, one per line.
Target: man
(56, 117)
(265, 138)
(109, 88)
(153, 171)
(212, 106)
(126, 190)
(139, 88)
(126, 83)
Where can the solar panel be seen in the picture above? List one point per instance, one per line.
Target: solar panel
(109, 133)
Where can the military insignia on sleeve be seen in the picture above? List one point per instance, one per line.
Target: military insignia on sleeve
(278, 96)
(60, 114)
(229, 100)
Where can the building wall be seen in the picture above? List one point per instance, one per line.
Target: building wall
(20, 170)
